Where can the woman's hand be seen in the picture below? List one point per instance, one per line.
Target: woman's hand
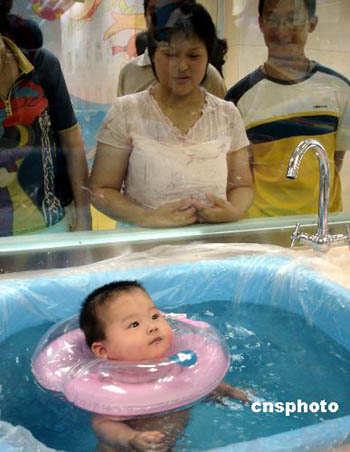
(82, 220)
(171, 214)
(220, 210)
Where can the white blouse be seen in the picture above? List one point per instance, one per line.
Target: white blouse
(165, 164)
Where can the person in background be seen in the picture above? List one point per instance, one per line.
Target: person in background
(174, 154)
(121, 322)
(43, 167)
(286, 100)
(218, 58)
(138, 75)
(25, 33)
(141, 42)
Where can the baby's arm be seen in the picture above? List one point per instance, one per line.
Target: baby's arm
(226, 390)
(114, 433)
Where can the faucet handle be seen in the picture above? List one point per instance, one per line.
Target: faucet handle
(295, 235)
(347, 227)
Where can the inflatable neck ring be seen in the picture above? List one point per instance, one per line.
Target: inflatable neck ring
(195, 364)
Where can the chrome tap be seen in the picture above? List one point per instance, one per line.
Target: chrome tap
(321, 240)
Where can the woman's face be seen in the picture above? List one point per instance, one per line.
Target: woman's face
(181, 64)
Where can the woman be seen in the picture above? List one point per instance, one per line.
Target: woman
(174, 154)
(39, 136)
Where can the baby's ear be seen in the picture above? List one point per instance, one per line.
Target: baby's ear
(99, 350)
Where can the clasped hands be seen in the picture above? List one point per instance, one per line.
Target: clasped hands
(191, 210)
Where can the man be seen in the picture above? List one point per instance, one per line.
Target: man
(287, 99)
(137, 75)
(42, 158)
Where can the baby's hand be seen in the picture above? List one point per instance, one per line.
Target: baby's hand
(226, 390)
(149, 440)
(235, 393)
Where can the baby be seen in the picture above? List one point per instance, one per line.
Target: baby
(121, 322)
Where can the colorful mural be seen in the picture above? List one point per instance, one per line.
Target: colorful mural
(98, 39)
(51, 9)
(84, 10)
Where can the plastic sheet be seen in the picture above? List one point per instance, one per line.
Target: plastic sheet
(303, 283)
(18, 439)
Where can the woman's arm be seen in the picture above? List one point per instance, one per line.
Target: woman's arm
(239, 192)
(73, 148)
(106, 180)
(240, 181)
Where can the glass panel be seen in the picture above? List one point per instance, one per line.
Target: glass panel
(94, 41)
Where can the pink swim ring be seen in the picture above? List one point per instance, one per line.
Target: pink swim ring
(195, 364)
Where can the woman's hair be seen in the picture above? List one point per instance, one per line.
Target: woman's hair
(310, 5)
(218, 57)
(90, 319)
(189, 18)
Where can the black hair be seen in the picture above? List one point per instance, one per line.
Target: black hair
(25, 33)
(89, 319)
(5, 8)
(218, 57)
(186, 17)
(146, 3)
(141, 42)
(310, 5)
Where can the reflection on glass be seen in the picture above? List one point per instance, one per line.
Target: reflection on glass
(287, 99)
(43, 164)
(293, 97)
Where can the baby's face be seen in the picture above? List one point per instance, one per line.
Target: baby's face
(134, 329)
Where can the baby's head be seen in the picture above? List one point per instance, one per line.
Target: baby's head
(121, 322)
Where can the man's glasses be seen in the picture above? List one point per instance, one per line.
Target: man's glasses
(289, 22)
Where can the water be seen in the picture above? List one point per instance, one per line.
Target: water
(275, 355)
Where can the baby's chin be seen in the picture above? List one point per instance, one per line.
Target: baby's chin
(158, 354)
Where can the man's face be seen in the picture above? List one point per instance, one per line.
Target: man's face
(134, 329)
(285, 25)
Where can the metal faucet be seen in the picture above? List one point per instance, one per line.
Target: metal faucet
(321, 240)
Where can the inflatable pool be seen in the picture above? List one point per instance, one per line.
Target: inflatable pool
(265, 278)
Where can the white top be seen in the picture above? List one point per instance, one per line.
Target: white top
(144, 59)
(166, 165)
